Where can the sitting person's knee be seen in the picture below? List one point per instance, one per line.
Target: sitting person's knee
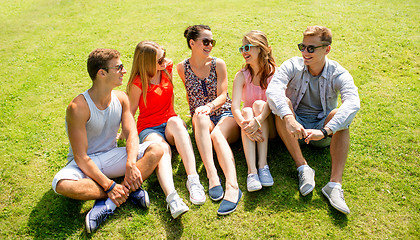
(247, 112)
(155, 151)
(258, 104)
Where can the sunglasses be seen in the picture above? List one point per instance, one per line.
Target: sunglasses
(207, 41)
(309, 48)
(118, 67)
(162, 59)
(246, 48)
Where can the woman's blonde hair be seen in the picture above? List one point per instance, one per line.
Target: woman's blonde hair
(265, 57)
(144, 66)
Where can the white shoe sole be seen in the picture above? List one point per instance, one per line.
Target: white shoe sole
(197, 202)
(180, 212)
(254, 189)
(267, 184)
(334, 205)
(308, 191)
(87, 223)
(146, 199)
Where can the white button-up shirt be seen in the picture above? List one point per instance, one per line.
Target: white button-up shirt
(291, 80)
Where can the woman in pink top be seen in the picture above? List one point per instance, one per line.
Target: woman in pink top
(255, 119)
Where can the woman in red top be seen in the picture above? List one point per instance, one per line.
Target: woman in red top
(150, 89)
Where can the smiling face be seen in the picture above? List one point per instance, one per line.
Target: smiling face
(113, 75)
(317, 58)
(160, 59)
(251, 56)
(198, 46)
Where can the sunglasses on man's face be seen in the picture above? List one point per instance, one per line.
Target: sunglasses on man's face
(118, 67)
(162, 59)
(207, 41)
(246, 48)
(309, 48)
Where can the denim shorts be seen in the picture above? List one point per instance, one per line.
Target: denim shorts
(216, 119)
(157, 129)
(312, 122)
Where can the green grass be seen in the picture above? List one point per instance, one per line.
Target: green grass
(44, 46)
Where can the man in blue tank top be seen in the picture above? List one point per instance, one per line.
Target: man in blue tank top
(303, 95)
(92, 123)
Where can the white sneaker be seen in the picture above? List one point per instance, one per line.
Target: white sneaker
(197, 195)
(306, 180)
(336, 197)
(176, 205)
(253, 182)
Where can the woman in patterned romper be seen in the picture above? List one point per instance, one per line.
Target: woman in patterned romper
(205, 80)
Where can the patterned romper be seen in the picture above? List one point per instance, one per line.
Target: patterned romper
(202, 91)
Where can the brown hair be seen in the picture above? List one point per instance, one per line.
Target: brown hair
(144, 65)
(322, 32)
(265, 57)
(192, 32)
(98, 59)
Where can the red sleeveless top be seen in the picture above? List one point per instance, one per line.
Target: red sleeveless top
(158, 101)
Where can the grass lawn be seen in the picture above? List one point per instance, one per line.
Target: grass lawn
(44, 45)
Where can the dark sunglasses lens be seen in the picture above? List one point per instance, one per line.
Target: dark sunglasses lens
(247, 48)
(301, 47)
(120, 67)
(206, 42)
(310, 49)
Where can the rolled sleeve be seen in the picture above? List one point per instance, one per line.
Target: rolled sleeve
(276, 90)
(350, 103)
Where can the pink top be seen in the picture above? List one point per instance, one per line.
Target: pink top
(251, 92)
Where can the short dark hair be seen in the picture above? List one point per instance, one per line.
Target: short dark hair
(98, 59)
(192, 32)
(319, 31)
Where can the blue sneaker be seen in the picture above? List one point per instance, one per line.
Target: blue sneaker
(227, 207)
(265, 176)
(140, 198)
(97, 215)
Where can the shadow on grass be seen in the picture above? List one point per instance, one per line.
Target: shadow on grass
(55, 216)
(282, 196)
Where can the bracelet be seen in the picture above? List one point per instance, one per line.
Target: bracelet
(112, 187)
(212, 105)
(324, 132)
(259, 124)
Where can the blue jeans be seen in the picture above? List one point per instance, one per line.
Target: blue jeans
(157, 129)
(312, 122)
(216, 119)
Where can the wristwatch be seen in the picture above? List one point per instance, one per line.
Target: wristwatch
(324, 132)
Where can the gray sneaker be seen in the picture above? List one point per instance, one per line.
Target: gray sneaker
(336, 197)
(265, 176)
(176, 205)
(253, 183)
(306, 180)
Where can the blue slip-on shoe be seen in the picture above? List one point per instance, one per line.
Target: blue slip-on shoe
(140, 198)
(216, 193)
(265, 176)
(97, 215)
(227, 207)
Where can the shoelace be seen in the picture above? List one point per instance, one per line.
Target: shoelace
(196, 188)
(264, 172)
(103, 214)
(301, 176)
(341, 193)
